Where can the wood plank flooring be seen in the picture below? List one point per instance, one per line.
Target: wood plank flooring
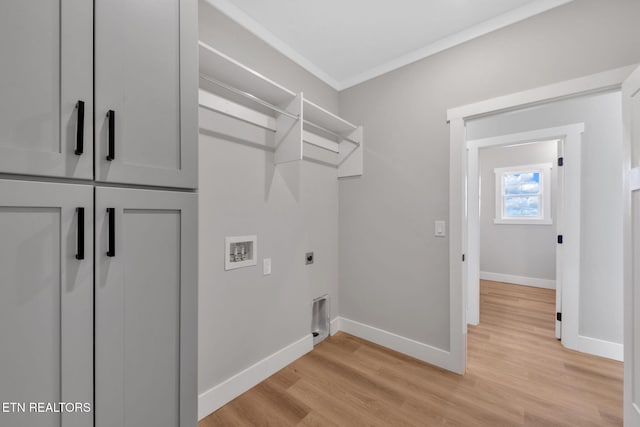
(517, 374)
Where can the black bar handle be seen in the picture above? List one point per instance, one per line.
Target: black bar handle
(80, 128)
(111, 116)
(80, 234)
(112, 232)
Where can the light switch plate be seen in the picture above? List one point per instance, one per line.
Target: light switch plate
(440, 229)
(266, 266)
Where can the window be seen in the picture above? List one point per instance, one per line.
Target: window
(523, 194)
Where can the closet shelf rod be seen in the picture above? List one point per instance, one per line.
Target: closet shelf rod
(271, 106)
(330, 132)
(248, 96)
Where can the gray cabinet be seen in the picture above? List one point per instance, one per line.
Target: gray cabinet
(145, 72)
(46, 300)
(146, 304)
(146, 92)
(47, 53)
(145, 325)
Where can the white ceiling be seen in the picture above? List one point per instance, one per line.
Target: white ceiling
(345, 42)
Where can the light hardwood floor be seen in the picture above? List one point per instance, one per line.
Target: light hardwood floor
(517, 374)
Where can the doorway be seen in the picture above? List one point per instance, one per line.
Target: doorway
(566, 212)
(589, 236)
(518, 185)
(460, 251)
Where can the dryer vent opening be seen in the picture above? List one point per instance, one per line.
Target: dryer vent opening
(320, 319)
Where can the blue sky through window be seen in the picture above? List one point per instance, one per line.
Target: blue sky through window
(522, 183)
(522, 206)
(521, 192)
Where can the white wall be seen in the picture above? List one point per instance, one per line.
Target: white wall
(600, 305)
(392, 207)
(524, 250)
(245, 316)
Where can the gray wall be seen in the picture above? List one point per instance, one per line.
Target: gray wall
(526, 250)
(601, 290)
(245, 316)
(394, 273)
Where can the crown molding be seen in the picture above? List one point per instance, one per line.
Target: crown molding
(486, 27)
(254, 27)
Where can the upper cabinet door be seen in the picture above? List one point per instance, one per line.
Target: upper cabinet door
(146, 86)
(46, 86)
(46, 301)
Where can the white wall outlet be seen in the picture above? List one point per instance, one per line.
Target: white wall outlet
(440, 229)
(266, 266)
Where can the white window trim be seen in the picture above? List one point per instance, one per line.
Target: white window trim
(545, 199)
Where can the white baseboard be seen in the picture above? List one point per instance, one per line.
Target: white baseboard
(226, 391)
(518, 280)
(335, 325)
(597, 347)
(420, 351)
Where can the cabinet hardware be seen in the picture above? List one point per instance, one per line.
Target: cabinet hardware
(80, 128)
(80, 234)
(111, 116)
(112, 232)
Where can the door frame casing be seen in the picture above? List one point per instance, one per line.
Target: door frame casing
(458, 267)
(631, 183)
(571, 135)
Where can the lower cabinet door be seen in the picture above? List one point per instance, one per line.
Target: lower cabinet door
(146, 308)
(46, 304)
